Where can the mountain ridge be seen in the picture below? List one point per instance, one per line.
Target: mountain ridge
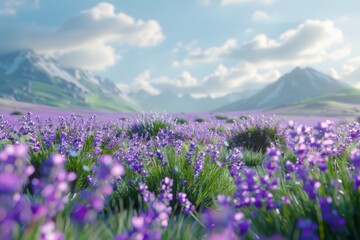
(297, 85)
(31, 77)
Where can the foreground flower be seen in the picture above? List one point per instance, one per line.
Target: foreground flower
(227, 223)
(149, 224)
(15, 207)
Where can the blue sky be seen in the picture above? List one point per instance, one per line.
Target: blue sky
(202, 47)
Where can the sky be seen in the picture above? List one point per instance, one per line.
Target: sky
(198, 47)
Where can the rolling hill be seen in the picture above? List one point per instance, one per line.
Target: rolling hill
(344, 103)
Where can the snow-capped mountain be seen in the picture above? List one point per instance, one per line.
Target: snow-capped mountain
(299, 84)
(31, 77)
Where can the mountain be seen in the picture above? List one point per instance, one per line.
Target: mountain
(344, 103)
(299, 84)
(169, 102)
(30, 77)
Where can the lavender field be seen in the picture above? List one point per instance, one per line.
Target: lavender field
(159, 176)
(189, 120)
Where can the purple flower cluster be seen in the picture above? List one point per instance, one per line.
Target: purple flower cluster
(312, 147)
(166, 194)
(106, 174)
(234, 158)
(148, 225)
(28, 129)
(355, 160)
(146, 194)
(188, 208)
(48, 231)
(199, 163)
(321, 139)
(190, 154)
(134, 157)
(52, 188)
(331, 215)
(308, 229)
(6, 130)
(214, 151)
(272, 160)
(227, 223)
(160, 157)
(15, 207)
(257, 190)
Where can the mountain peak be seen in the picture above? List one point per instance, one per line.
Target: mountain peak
(310, 76)
(299, 84)
(297, 69)
(28, 54)
(303, 69)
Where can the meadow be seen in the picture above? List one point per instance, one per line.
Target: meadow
(161, 176)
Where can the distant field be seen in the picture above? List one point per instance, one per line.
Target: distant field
(297, 113)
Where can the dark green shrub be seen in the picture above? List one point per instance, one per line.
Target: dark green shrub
(256, 139)
(199, 120)
(230, 120)
(217, 129)
(256, 134)
(221, 117)
(17, 113)
(244, 117)
(181, 121)
(149, 125)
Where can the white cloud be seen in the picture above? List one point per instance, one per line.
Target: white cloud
(351, 71)
(214, 53)
(333, 73)
(340, 53)
(98, 58)
(7, 11)
(180, 50)
(204, 2)
(142, 82)
(351, 65)
(227, 80)
(11, 7)
(175, 63)
(94, 32)
(248, 30)
(353, 77)
(219, 83)
(312, 41)
(231, 2)
(184, 80)
(260, 16)
(228, 2)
